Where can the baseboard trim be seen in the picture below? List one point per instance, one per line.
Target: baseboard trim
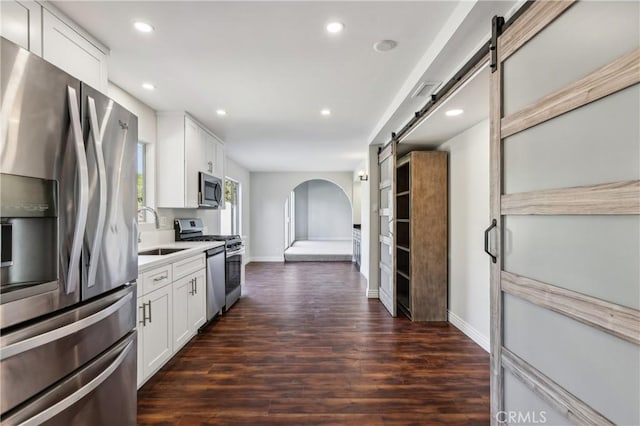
(470, 331)
(329, 239)
(372, 293)
(267, 259)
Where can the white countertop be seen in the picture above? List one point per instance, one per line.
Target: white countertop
(192, 248)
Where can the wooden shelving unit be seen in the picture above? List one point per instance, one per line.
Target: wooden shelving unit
(421, 235)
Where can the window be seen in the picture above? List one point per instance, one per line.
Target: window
(231, 215)
(141, 152)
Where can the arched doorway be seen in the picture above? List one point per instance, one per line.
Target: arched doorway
(318, 223)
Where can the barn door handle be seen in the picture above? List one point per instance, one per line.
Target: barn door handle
(494, 223)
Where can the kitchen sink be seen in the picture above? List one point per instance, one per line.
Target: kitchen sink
(160, 251)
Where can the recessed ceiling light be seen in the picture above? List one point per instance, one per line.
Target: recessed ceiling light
(384, 45)
(143, 27)
(325, 111)
(453, 112)
(335, 27)
(221, 112)
(148, 86)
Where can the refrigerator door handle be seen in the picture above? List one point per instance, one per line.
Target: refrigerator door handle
(58, 333)
(70, 400)
(98, 134)
(83, 194)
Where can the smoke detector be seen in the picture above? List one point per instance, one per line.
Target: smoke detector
(385, 45)
(425, 88)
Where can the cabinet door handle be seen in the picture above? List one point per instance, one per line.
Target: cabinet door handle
(144, 314)
(149, 304)
(210, 166)
(494, 223)
(164, 277)
(195, 286)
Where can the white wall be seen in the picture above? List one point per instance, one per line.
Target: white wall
(301, 212)
(268, 193)
(357, 199)
(369, 248)
(328, 211)
(363, 189)
(468, 218)
(147, 121)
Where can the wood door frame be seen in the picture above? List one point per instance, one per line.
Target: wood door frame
(614, 198)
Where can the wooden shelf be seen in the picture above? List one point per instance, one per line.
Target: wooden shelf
(421, 235)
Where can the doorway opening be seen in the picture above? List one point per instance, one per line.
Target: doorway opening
(318, 223)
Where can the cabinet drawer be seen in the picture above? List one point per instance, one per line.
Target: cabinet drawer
(156, 278)
(188, 266)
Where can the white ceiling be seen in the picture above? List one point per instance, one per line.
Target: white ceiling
(437, 127)
(273, 67)
(468, 28)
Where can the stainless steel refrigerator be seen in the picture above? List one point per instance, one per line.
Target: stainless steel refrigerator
(68, 248)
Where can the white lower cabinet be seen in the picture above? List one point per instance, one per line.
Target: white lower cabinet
(154, 329)
(198, 302)
(172, 306)
(189, 305)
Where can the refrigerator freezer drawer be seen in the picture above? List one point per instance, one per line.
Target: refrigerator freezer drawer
(102, 393)
(33, 358)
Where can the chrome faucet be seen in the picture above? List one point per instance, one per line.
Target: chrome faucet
(155, 214)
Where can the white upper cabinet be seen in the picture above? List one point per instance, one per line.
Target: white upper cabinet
(69, 50)
(220, 159)
(20, 23)
(208, 146)
(195, 159)
(184, 149)
(46, 32)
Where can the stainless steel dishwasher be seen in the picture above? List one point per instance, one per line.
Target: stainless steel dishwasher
(215, 281)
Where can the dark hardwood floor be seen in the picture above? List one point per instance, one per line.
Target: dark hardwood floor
(304, 346)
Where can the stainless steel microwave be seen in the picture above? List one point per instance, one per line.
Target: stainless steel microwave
(210, 191)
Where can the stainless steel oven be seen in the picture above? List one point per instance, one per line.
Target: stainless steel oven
(191, 230)
(209, 191)
(233, 283)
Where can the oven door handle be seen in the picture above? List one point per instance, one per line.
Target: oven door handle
(235, 252)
